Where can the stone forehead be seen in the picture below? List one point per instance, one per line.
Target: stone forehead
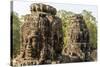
(39, 7)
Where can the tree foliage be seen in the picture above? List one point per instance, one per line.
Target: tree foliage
(15, 33)
(92, 26)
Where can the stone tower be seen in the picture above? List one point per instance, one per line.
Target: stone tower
(40, 36)
(77, 48)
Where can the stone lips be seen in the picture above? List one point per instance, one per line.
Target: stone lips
(39, 7)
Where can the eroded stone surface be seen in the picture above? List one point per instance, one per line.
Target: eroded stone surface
(77, 48)
(40, 38)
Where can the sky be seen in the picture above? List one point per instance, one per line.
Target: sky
(23, 7)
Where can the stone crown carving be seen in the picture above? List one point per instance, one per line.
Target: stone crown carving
(39, 7)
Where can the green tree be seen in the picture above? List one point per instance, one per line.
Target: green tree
(15, 33)
(92, 26)
(64, 15)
